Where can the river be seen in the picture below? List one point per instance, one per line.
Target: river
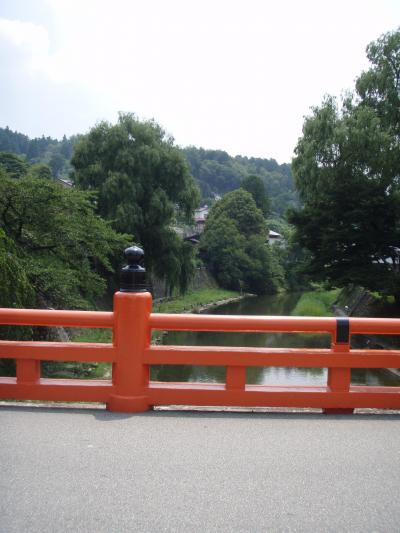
(281, 304)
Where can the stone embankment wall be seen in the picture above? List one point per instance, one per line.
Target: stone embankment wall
(353, 301)
(202, 280)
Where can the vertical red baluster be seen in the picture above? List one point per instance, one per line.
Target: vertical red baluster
(235, 377)
(28, 371)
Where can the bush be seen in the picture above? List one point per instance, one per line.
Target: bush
(318, 303)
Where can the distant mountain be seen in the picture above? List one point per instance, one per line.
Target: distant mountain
(218, 173)
(53, 152)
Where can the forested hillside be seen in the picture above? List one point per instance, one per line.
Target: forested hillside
(56, 154)
(218, 173)
(215, 171)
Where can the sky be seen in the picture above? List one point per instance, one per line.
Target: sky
(232, 75)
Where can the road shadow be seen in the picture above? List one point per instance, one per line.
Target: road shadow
(100, 413)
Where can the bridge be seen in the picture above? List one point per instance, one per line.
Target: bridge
(94, 471)
(126, 467)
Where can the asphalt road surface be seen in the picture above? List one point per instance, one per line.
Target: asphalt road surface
(94, 471)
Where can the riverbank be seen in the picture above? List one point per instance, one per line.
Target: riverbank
(316, 303)
(192, 302)
(198, 301)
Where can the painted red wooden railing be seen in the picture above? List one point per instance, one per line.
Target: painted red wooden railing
(131, 354)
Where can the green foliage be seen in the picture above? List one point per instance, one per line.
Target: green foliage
(12, 164)
(255, 186)
(263, 272)
(378, 88)
(41, 170)
(316, 303)
(62, 247)
(75, 370)
(12, 141)
(16, 291)
(240, 207)
(215, 171)
(234, 246)
(223, 246)
(218, 173)
(142, 181)
(56, 163)
(56, 154)
(346, 169)
(193, 300)
(93, 335)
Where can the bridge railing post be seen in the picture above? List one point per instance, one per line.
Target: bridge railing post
(339, 378)
(132, 309)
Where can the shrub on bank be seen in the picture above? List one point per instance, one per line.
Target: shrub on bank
(316, 303)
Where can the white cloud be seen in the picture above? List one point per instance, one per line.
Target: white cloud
(31, 38)
(237, 75)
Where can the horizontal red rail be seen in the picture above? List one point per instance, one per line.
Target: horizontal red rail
(243, 324)
(47, 317)
(102, 319)
(58, 351)
(132, 355)
(215, 394)
(58, 390)
(286, 357)
(383, 326)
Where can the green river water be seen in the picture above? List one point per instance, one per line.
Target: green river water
(281, 304)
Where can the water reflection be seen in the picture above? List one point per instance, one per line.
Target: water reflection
(286, 376)
(274, 305)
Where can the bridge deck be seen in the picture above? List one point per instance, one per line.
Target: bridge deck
(90, 470)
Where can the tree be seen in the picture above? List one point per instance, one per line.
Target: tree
(16, 291)
(379, 87)
(56, 163)
(217, 173)
(234, 245)
(223, 249)
(255, 186)
(15, 166)
(240, 207)
(12, 141)
(59, 248)
(142, 183)
(347, 172)
(40, 170)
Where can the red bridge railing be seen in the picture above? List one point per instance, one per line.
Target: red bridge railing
(132, 354)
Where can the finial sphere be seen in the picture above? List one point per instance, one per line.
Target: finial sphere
(133, 255)
(133, 275)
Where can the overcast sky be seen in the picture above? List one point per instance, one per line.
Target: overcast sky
(232, 75)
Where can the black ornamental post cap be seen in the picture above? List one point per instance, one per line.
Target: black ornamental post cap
(133, 275)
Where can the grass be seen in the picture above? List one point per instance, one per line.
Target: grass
(316, 303)
(191, 301)
(75, 370)
(93, 335)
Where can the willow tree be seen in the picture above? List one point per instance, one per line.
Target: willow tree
(143, 185)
